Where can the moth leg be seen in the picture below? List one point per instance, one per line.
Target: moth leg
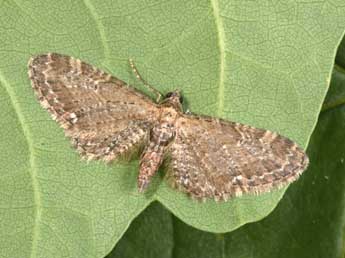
(150, 88)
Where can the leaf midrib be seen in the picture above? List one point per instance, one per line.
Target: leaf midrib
(221, 46)
(100, 28)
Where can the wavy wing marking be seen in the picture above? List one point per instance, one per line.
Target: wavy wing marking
(104, 117)
(219, 159)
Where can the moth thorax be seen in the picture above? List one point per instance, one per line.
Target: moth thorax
(163, 133)
(168, 114)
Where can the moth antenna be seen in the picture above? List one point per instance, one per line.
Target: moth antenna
(149, 87)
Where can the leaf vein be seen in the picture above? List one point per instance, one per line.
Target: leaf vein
(221, 46)
(33, 170)
(100, 27)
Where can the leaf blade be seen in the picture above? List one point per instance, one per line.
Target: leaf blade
(174, 45)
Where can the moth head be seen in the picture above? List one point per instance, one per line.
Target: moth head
(173, 98)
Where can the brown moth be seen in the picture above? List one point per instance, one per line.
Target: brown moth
(205, 157)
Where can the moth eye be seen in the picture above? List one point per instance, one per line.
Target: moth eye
(181, 99)
(168, 95)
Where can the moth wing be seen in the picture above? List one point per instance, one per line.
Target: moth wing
(104, 116)
(213, 158)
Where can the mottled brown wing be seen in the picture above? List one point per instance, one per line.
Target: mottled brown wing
(212, 158)
(104, 117)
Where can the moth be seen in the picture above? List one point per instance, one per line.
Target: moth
(206, 157)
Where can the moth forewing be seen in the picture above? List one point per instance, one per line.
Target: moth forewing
(207, 157)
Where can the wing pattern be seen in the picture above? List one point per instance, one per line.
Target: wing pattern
(104, 117)
(219, 159)
(207, 157)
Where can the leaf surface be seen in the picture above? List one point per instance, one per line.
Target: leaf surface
(259, 63)
(308, 221)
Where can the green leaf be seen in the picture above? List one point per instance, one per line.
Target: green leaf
(261, 63)
(308, 221)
